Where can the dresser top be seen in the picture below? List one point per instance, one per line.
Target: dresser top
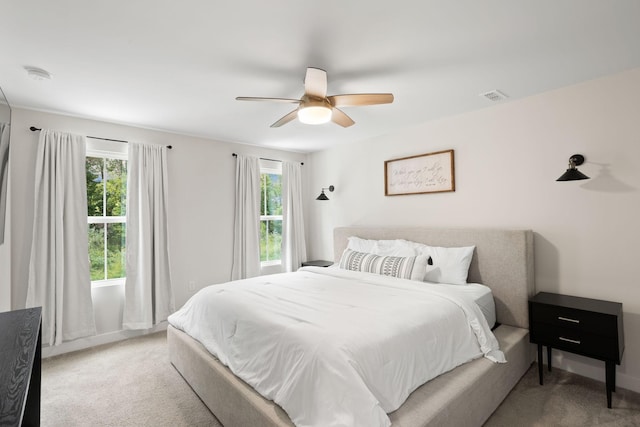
(578, 303)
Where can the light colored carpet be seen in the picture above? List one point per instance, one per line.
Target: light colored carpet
(129, 383)
(565, 399)
(132, 383)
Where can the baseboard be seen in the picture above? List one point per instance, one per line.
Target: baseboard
(96, 340)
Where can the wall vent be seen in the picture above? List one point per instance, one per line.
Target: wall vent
(494, 95)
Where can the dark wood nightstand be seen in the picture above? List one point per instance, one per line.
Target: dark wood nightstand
(584, 326)
(317, 263)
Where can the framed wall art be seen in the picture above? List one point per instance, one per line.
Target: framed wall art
(421, 174)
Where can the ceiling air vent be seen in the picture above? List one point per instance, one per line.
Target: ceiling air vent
(494, 95)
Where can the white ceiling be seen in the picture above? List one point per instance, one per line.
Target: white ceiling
(178, 65)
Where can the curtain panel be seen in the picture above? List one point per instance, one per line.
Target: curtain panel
(5, 130)
(294, 250)
(59, 278)
(148, 294)
(246, 226)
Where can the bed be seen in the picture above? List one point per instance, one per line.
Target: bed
(464, 396)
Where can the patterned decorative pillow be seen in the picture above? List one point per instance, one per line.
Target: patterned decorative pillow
(412, 268)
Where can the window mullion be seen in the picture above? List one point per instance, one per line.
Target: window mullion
(271, 217)
(106, 219)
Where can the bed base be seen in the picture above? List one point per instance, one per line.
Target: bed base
(465, 396)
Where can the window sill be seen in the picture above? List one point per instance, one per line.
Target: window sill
(270, 263)
(104, 283)
(271, 268)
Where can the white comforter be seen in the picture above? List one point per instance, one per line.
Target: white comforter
(335, 347)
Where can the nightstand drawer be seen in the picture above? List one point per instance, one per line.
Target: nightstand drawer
(580, 320)
(576, 341)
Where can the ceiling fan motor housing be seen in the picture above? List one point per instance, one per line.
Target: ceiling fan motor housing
(314, 111)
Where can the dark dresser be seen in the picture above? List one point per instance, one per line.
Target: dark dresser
(20, 359)
(584, 326)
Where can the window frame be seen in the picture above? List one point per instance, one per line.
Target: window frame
(106, 150)
(270, 167)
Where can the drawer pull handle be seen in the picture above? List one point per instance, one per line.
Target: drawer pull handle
(566, 319)
(569, 340)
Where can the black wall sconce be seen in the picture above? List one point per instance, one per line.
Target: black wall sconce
(573, 174)
(323, 196)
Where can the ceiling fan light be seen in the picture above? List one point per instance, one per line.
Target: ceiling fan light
(314, 115)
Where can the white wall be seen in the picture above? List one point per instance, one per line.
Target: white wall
(201, 191)
(507, 158)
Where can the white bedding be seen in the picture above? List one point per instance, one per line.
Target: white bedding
(479, 293)
(335, 347)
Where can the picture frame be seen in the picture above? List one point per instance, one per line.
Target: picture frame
(420, 174)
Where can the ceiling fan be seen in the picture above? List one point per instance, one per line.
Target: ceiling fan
(315, 107)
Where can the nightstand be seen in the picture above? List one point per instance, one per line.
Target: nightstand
(317, 263)
(584, 326)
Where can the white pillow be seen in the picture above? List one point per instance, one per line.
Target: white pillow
(450, 265)
(412, 268)
(397, 247)
(361, 245)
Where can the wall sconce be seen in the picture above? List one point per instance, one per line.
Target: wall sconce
(323, 196)
(573, 174)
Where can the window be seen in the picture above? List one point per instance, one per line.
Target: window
(270, 212)
(106, 175)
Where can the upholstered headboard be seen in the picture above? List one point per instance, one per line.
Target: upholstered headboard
(503, 260)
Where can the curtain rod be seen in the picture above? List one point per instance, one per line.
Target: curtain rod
(33, 129)
(262, 158)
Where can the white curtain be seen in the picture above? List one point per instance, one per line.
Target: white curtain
(5, 129)
(294, 250)
(246, 227)
(59, 279)
(148, 294)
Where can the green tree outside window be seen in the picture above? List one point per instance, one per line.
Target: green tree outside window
(106, 209)
(270, 217)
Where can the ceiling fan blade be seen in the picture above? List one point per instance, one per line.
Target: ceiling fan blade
(315, 83)
(286, 119)
(357, 99)
(339, 117)
(253, 98)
